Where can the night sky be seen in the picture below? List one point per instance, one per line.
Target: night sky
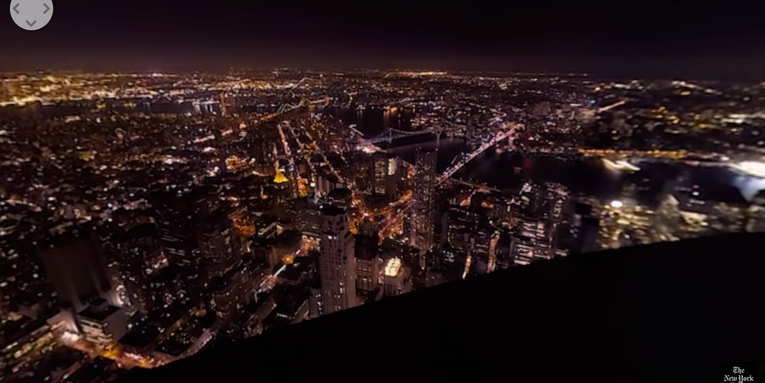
(613, 38)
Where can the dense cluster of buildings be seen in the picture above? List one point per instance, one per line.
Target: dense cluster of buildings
(144, 218)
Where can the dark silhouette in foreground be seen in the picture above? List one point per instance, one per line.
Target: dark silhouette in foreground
(664, 312)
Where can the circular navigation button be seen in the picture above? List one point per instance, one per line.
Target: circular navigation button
(31, 14)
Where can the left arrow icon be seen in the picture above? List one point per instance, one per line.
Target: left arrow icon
(15, 8)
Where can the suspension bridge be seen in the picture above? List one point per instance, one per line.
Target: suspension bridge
(390, 134)
(464, 158)
(461, 161)
(286, 108)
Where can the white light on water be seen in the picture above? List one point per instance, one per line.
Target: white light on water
(752, 168)
(620, 165)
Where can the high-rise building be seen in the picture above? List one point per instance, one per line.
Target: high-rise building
(102, 323)
(138, 255)
(380, 167)
(238, 289)
(504, 256)
(337, 263)
(585, 227)
(309, 217)
(220, 246)
(367, 261)
(326, 182)
(178, 222)
(288, 179)
(182, 221)
(197, 236)
(385, 175)
(521, 250)
(341, 198)
(533, 240)
(315, 301)
(422, 227)
(393, 176)
(263, 154)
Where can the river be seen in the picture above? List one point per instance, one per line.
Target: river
(587, 176)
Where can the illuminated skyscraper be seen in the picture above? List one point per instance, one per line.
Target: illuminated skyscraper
(337, 264)
(393, 177)
(385, 175)
(421, 235)
(380, 160)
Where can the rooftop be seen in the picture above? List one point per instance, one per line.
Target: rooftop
(98, 313)
(279, 178)
(393, 267)
(339, 193)
(332, 210)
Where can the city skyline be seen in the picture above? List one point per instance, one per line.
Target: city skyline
(646, 39)
(153, 219)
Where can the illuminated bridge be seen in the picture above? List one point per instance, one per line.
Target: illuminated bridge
(465, 158)
(391, 134)
(396, 216)
(609, 107)
(304, 102)
(286, 108)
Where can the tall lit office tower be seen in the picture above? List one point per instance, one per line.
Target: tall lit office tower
(380, 167)
(337, 264)
(385, 175)
(422, 226)
(394, 176)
